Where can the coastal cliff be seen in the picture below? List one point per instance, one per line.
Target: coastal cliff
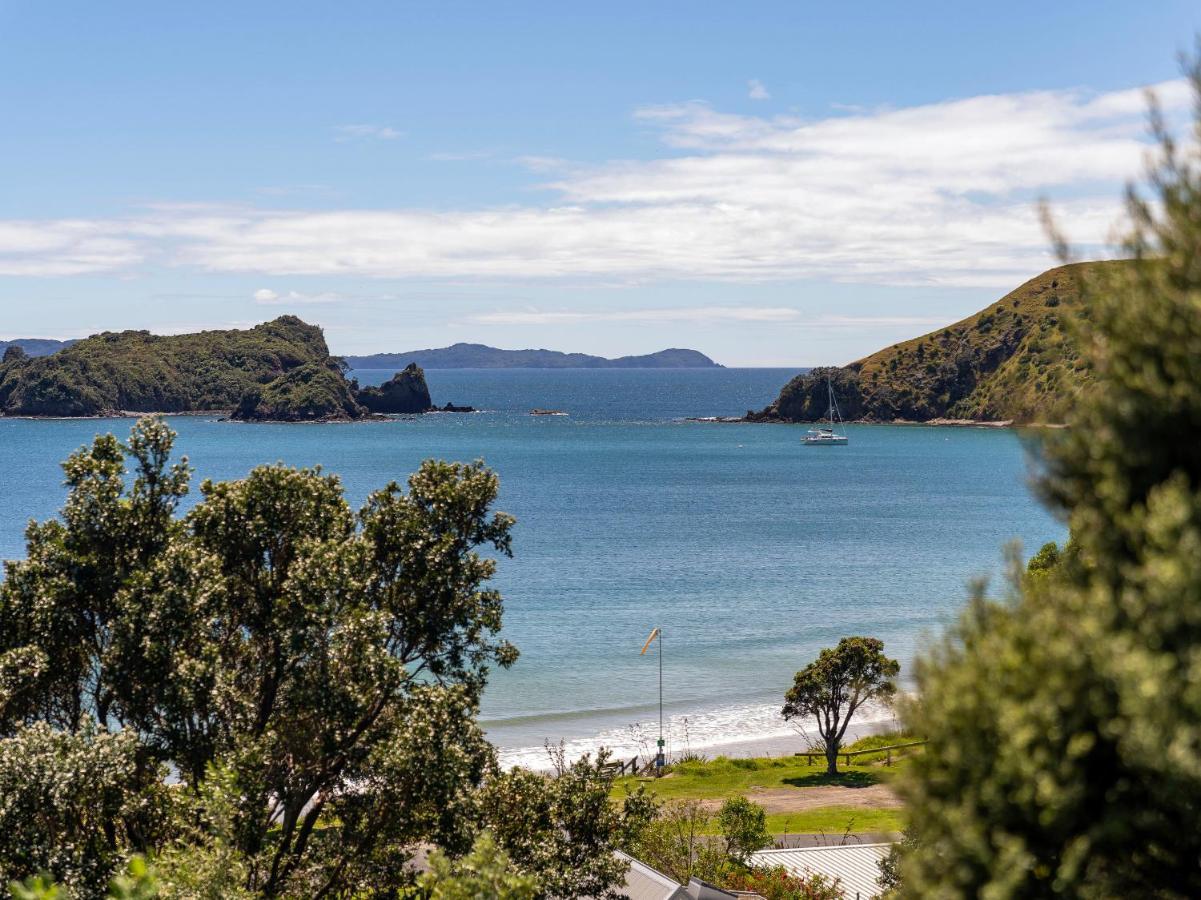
(1016, 360)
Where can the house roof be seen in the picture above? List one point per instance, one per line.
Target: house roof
(645, 883)
(856, 866)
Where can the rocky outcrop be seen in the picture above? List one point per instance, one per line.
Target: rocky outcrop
(404, 392)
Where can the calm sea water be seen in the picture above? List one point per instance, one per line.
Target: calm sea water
(749, 550)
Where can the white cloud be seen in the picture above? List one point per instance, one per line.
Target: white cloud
(693, 314)
(938, 194)
(699, 315)
(344, 133)
(268, 297)
(65, 247)
(756, 90)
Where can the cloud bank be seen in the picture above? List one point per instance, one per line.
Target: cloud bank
(938, 194)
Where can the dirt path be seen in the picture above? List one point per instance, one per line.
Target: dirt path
(787, 800)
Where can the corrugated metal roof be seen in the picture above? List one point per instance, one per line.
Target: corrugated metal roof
(856, 866)
(645, 883)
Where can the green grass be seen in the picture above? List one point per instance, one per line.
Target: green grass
(724, 777)
(835, 820)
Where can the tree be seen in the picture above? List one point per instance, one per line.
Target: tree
(677, 842)
(833, 688)
(1064, 720)
(486, 873)
(333, 660)
(72, 803)
(564, 830)
(743, 825)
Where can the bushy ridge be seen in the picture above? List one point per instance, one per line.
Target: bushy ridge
(310, 393)
(139, 372)
(1015, 360)
(278, 371)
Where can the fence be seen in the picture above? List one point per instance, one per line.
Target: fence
(846, 757)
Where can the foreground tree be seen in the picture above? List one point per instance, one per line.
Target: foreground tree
(564, 830)
(331, 660)
(1065, 722)
(834, 687)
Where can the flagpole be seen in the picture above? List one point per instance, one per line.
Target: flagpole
(661, 757)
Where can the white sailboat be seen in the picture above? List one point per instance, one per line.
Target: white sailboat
(827, 437)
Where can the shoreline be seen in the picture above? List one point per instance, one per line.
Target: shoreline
(752, 730)
(929, 423)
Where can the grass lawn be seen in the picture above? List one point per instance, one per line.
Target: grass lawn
(835, 820)
(722, 777)
(719, 778)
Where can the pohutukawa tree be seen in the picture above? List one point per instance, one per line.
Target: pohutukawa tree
(333, 660)
(832, 688)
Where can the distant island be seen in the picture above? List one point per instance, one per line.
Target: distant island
(1015, 361)
(481, 356)
(278, 371)
(35, 346)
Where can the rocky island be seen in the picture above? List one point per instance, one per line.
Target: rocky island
(1015, 361)
(278, 371)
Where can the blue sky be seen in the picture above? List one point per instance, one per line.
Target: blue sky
(771, 183)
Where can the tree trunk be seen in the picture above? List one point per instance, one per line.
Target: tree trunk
(831, 758)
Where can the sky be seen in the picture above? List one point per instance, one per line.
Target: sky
(773, 184)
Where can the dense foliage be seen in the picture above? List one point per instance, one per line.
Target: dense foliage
(1065, 722)
(138, 371)
(311, 673)
(309, 393)
(681, 842)
(1018, 359)
(832, 688)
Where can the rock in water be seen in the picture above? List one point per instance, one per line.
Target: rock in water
(404, 392)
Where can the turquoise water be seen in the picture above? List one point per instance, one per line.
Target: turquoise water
(749, 550)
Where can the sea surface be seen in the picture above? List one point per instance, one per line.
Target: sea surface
(749, 550)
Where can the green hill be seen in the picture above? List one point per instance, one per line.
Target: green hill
(283, 366)
(1016, 360)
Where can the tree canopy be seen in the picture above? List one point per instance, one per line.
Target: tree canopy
(1065, 721)
(327, 661)
(835, 686)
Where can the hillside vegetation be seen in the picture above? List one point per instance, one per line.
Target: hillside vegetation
(1016, 360)
(280, 370)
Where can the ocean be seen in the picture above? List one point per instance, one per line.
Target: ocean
(750, 551)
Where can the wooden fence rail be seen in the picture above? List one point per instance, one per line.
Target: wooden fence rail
(887, 751)
(618, 769)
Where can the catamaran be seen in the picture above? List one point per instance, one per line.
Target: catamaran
(827, 437)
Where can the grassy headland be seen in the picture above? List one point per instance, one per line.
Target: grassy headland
(1016, 360)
